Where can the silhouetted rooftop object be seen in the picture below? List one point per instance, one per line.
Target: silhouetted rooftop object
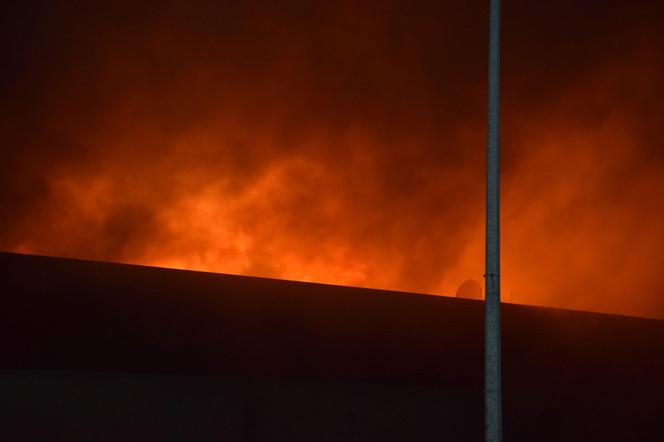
(470, 289)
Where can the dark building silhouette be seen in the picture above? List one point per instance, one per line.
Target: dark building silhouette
(103, 352)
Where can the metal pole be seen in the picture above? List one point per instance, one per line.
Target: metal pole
(493, 426)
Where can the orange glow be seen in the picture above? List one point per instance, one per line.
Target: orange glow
(346, 157)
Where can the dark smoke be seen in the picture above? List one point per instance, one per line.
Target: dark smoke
(340, 142)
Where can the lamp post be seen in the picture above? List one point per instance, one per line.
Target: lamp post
(493, 427)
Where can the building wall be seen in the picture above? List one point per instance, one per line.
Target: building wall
(97, 351)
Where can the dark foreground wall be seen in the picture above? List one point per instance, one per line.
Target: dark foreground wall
(98, 352)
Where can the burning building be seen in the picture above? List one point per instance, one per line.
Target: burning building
(331, 143)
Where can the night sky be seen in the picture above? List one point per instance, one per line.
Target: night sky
(341, 142)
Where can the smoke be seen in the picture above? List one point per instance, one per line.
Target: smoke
(339, 143)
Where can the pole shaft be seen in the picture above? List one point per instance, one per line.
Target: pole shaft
(492, 376)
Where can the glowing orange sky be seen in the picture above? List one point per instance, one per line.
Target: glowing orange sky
(343, 144)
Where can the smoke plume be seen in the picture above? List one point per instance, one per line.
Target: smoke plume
(340, 142)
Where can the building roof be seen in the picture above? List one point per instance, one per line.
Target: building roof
(74, 315)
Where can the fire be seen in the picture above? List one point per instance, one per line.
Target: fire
(346, 148)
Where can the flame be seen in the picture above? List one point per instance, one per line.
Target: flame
(342, 147)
